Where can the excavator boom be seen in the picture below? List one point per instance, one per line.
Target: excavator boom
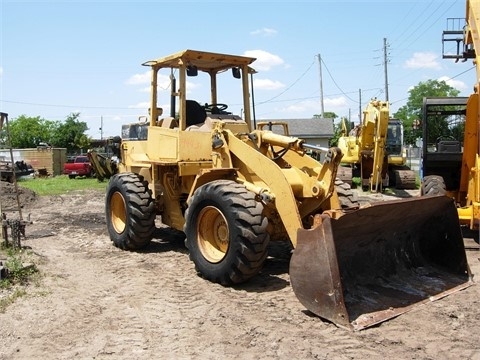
(369, 148)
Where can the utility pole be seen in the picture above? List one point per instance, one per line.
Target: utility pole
(322, 109)
(359, 106)
(385, 61)
(101, 128)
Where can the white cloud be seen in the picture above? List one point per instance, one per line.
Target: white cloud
(265, 61)
(423, 60)
(335, 102)
(336, 105)
(457, 84)
(301, 107)
(1, 71)
(308, 107)
(139, 79)
(264, 32)
(267, 84)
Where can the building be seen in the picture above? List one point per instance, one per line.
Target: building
(315, 131)
(43, 158)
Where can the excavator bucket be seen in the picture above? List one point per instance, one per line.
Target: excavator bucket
(377, 262)
(104, 168)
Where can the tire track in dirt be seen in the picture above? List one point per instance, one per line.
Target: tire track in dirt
(97, 301)
(437, 336)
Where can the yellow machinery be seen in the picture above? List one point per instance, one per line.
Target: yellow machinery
(232, 189)
(376, 147)
(451, 163)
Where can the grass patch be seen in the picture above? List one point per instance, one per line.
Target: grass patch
(356, 182)
(16, 262)
(58, 185)
(21, 272)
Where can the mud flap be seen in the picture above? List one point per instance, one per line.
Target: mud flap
(378, 262)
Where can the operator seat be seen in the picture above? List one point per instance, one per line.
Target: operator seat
(196, 113)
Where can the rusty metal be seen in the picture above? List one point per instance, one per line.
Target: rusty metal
(378, 262)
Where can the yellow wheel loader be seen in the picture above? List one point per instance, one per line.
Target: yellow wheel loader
(375, 148)
(451, 150)
(232, 189)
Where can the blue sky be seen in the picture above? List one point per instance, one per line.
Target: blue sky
(59, 57)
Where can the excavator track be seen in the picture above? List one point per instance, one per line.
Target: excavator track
(404, 179)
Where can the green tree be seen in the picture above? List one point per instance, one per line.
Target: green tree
(339, 131)
(326, 115)
(28, 132)
(412, 110)
(70, 134)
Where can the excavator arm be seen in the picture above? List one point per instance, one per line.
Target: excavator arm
(366, 147)
(374, 160)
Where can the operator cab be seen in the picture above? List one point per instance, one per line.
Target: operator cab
(191, 74)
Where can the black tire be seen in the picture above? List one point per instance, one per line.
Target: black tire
(72, 176)
(433, 185)
(130, 211)
(346, 196)
(226, 232)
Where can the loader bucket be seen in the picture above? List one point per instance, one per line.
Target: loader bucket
(377, 262)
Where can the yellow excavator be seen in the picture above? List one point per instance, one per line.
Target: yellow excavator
(375, 148)
(451, 160)
(233, 188)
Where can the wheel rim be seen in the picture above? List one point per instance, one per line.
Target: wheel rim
(213, 234)
(118, 212)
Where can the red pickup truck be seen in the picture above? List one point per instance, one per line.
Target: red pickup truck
(79, 167)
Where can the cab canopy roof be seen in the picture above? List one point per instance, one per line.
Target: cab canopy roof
(204, 61)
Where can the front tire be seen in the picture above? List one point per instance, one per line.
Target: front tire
(433, 185)
(130, 211)
(226, 232)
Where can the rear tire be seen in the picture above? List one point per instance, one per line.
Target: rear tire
(130, 211)
(433, 185)
(226, 232)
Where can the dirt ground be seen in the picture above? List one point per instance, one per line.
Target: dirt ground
(95, 301)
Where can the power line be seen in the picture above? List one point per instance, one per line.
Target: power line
(289, 87)
(450, 78)
(463, 72)
(65, 106)
(338, 87)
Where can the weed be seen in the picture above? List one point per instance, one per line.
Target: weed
(356, 182)
(19, 268)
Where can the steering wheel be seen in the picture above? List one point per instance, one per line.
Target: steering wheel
(216, 108)
(445, 137)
